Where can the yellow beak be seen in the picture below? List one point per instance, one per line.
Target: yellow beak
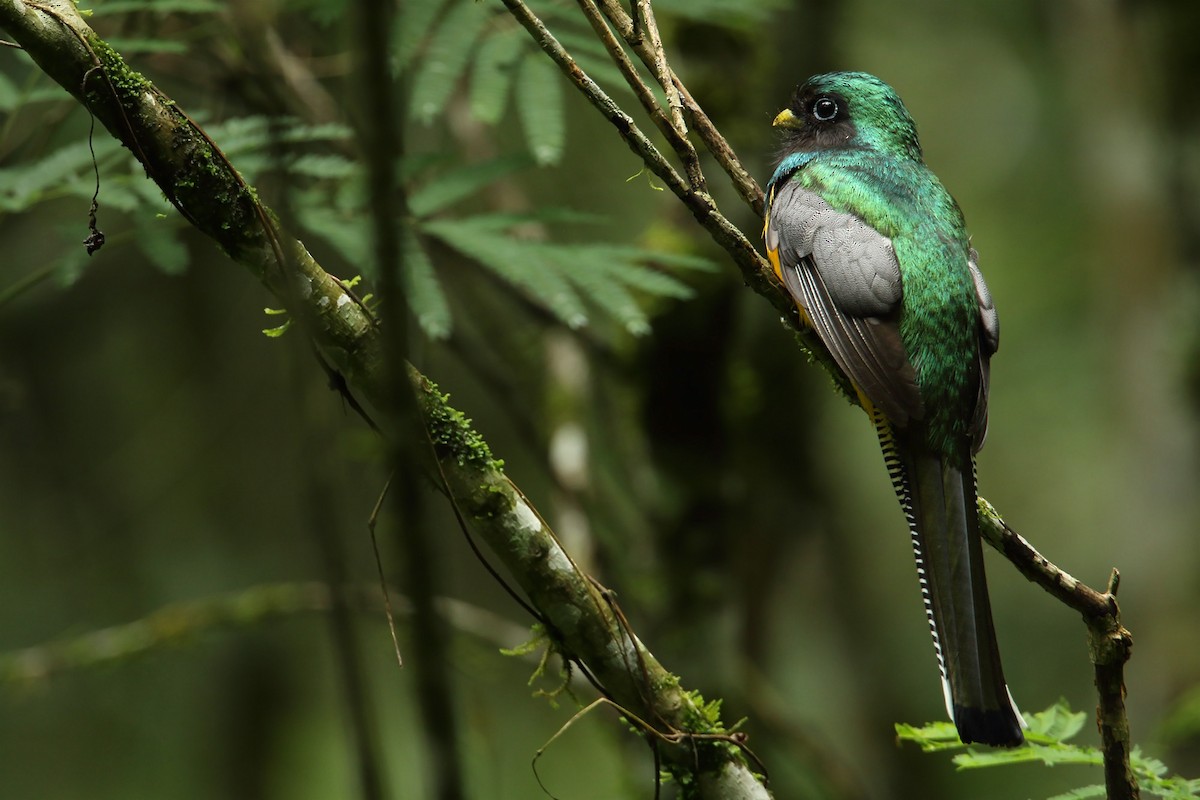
(786, 119)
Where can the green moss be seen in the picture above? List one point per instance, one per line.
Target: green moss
(451, 433)
(128, 83)
(701, 716)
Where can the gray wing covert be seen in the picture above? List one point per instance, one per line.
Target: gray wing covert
(845, 276)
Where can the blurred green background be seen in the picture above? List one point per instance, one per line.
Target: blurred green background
(156, 448)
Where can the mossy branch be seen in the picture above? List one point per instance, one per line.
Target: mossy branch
(206, 189)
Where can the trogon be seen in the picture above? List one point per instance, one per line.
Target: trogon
(875, 253)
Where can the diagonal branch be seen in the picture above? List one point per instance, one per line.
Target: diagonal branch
(208, 191)
(1109, 643)
(673, 128)
(650, 50)
(754, 268)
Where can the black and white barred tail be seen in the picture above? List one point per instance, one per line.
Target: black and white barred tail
(938, 500)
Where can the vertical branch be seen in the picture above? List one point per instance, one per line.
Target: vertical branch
(382, 137)
(1110, 646)
(341, 626)
(1109, 643)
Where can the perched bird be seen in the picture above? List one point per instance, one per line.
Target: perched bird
(875, 253)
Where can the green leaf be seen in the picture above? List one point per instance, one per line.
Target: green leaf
(10, 95)
(159, 240)
(424, 292)
(1083, 792)
(325, 12)
(493, 72)
(247, 134)
(70, 266)
(446, 59)
(588, 268)
(136, 46)
(930, 737)
(116, 192)
(525, 264)
(680, 260)
(454, 185)
(649, 280)
(23, 185)
(315, 165)
(158, 6)
(745, 14)
(540, 107)
(413, 25)
(499, 222)
(347, 235)
(1057, 722)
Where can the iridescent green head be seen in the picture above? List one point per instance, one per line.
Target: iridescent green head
(842, 110)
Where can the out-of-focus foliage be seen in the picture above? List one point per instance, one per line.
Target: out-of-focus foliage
(156, 449)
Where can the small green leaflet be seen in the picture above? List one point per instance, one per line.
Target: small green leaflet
(540, 107)
(412, 26)
(563, 277)
(493, 72)
(158, 6)
(138, 46)
(10, 95)
(1045, 743)
(424, 293)
(522, 263)
(453, 185)
(446, 59)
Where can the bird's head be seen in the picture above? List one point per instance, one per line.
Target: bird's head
(846, 110)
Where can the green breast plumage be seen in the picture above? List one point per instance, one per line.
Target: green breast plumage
(938, 312)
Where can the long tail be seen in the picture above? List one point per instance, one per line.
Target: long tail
(938, 499)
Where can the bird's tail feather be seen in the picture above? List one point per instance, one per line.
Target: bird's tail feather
(938, 498)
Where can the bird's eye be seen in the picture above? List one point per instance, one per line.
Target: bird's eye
(824, 109)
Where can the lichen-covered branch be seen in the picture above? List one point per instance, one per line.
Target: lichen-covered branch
(580, 613)
(207, 190)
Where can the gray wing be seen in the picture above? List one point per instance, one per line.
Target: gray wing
(845, 276)
(989, 343)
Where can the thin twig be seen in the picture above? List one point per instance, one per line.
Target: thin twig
(754, 267)
(755, 270)
(387, 598)
(634, 138)
(631, 29)
(743, 182)
(658, 62)
(675, 132)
